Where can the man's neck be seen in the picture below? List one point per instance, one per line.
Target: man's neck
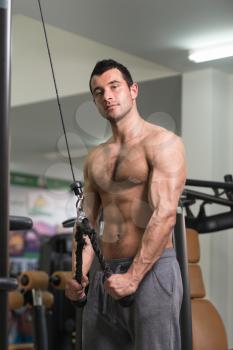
(129, 128)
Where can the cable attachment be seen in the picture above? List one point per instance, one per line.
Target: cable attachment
(77, 188)
(79, 234)
(83, 228)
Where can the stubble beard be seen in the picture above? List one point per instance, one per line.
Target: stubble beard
(115, 119)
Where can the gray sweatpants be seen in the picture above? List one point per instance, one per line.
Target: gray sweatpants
(150, 323)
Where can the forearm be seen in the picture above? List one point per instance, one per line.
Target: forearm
(154, 241)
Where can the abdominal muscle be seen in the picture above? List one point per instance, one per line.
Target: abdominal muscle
(116, 244)
(123, 231)
(124, 225)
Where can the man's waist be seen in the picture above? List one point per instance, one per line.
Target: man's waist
(122, 264)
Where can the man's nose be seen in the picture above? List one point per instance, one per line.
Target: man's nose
(108, 95)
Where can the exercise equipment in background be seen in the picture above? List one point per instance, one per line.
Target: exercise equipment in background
(24, 298)
(207, 326)
(223, 196)
(33, 284)
(55, 255)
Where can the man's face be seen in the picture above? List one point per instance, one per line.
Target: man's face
(112, 96)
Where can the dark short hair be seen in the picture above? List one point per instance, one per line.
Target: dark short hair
(105, 65)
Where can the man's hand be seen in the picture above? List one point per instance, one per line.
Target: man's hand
(75, 291)
(120, 285)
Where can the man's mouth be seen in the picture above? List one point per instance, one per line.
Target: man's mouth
(109, 107)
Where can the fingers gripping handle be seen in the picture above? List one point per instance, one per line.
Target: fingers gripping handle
(126, 301)
(81, 302)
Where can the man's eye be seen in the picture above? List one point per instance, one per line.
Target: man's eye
(98, 93)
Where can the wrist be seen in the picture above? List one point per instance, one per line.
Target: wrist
(85, 271)
(134, 280)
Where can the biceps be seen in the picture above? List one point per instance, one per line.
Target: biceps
(92, 206)
(165, 192)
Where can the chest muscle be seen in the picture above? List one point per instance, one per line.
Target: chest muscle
(121, 170)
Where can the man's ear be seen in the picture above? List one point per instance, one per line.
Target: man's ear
(134, 90)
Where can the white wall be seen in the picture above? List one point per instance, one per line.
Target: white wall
(207, 129)
(73, 58)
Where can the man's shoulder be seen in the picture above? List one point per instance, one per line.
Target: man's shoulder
(95, 151)
(156, 135)
(159, 141)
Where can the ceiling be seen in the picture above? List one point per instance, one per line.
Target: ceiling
(162, 31)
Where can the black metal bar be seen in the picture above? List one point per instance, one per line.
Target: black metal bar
(209, 184)
(8, 283)
(20, 223)
(69, 222)
(229, 179)
(212, 223)
(208, 197)
(181, 252)
(5, 33)
(78, 328)
(40, 328)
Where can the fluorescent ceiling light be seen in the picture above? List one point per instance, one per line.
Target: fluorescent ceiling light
(211, 53)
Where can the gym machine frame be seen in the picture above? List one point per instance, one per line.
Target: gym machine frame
(6, 283)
